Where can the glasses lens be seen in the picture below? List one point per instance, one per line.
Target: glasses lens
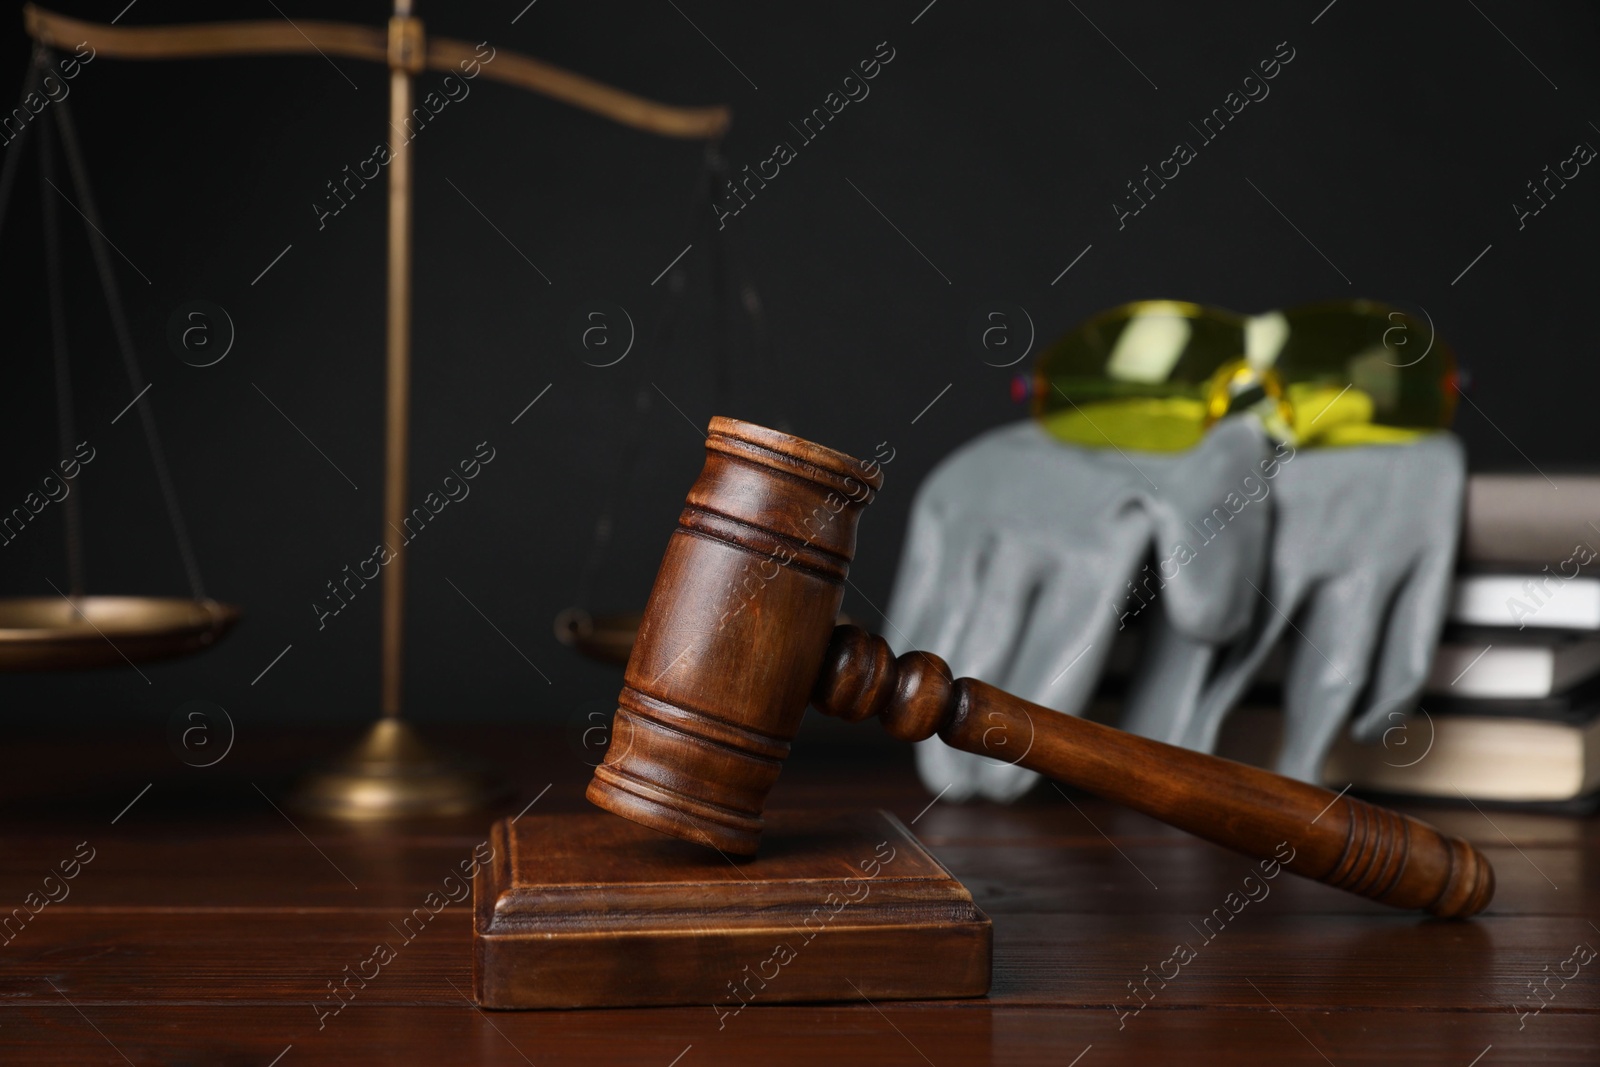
(1136, 376)
(1154, 375)
(1365, 373)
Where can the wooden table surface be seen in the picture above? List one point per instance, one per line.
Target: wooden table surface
(207, 927)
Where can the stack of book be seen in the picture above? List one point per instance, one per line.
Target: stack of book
(1511, 711)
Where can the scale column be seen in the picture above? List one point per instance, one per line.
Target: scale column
(406, 57)
(391, 773)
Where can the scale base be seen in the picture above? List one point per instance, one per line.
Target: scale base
(391, 774)
(589, 910)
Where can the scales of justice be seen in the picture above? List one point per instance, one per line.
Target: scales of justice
(391, 772)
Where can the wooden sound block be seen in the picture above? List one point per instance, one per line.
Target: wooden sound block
(589, 910)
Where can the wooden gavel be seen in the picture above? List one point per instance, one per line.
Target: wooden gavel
(739, 635)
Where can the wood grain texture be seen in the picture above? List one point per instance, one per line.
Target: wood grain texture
(734, 631)
(594, 911)
(904, 1034)
(207, 928)
(1339, 840)
(1342, 841)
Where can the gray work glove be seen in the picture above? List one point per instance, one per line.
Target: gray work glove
(1021, 551)
(1362, 557)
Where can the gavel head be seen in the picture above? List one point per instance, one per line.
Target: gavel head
(734, 635)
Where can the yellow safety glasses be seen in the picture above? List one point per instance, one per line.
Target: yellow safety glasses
(1155, 374)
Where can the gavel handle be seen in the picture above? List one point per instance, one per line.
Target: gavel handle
(1344, 842)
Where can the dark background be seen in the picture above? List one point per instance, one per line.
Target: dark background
(996, 140)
